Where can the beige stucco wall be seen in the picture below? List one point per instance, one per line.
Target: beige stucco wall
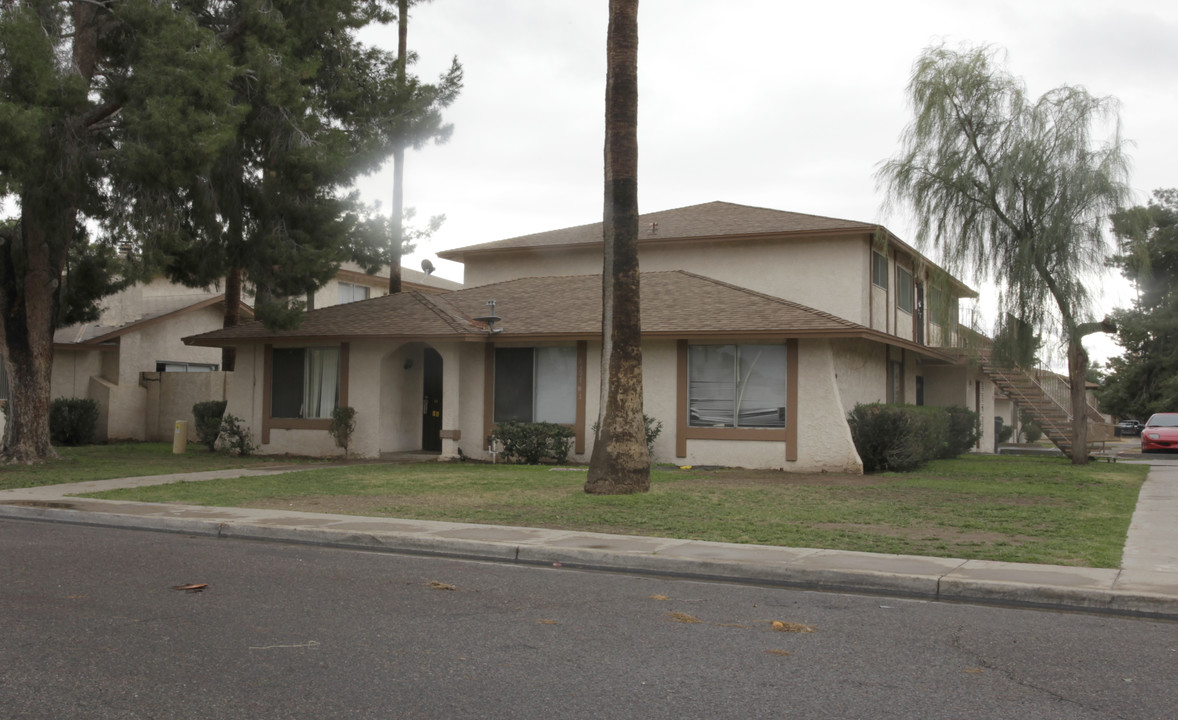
(828, 274)
(72, 370)
(150, 298)
(860, 368)
(171, 395)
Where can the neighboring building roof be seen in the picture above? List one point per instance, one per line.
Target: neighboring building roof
(410, 279)
(713, 221)
(83, 334)
(709, 220)
(674, 303)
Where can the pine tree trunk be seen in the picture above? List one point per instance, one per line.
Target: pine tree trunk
(1077, 376)
(28, 317)
(397, 241)
(232, 315)
(620, 463)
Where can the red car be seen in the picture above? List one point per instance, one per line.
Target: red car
(1160, 432)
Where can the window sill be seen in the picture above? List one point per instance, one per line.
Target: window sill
(299, 423)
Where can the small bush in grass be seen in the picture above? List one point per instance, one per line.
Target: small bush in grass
(235, 438)
(651, 427)
(208, 421)
(529, 443)
(1006, 433)
(897, 437)
(964, 431)
(343, 424)
(1031, 430)
(73, 421)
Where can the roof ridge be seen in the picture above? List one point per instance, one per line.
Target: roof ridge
(450, 315)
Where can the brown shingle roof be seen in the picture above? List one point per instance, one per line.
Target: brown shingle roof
(673, 303)
(709, 220)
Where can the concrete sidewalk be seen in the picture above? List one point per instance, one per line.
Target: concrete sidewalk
(1146, 584)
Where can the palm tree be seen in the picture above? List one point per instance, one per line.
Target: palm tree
(620, 463)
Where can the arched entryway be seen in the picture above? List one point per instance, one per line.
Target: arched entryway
(411, 399)
(431, 401)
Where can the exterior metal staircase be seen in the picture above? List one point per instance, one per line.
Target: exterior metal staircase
(1046, 398)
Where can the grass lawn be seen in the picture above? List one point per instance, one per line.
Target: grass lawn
(1036, 510)
(101, 462)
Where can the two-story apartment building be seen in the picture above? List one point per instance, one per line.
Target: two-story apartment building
(761, 330)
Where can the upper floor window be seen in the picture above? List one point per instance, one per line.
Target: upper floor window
(904, 289)
(304, 382)
(879, 270)
(352, 292)
(736, 386)
(536, 384)
(942, 306)
(169, 366)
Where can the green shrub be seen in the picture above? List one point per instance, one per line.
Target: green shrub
(653, 429)
(529, 443)
(1006, 433)
(1031, 430)
(343, 424)
(235, 438)
(964, 428)
(73, 421)
(208, 421)
(897, 437)
(650, 426)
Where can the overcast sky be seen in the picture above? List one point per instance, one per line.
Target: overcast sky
(783, 105)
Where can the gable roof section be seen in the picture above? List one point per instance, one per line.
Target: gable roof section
(85, 334)
(674, 304)
(404, 315)
(709, 220)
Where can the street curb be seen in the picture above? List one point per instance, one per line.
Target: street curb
(941, 587)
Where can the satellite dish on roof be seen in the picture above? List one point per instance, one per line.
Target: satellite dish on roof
(427, 267)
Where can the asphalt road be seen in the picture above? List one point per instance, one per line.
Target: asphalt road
(90, 627)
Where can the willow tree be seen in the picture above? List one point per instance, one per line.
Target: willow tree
(620, 463)
(1015, 189)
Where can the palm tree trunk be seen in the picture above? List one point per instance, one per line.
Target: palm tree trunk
(620, 463)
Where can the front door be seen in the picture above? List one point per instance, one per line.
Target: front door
(431, 403)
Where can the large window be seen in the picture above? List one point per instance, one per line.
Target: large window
(352, 292)
(304, 382)
(904, 289)
(879, 269)
(736, 386)
(536, 384)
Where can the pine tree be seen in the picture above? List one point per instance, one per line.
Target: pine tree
(108, 111)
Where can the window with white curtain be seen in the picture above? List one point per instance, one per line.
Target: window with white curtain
(352, 292)
(304, 382)
(536, 384)
(737, 386)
